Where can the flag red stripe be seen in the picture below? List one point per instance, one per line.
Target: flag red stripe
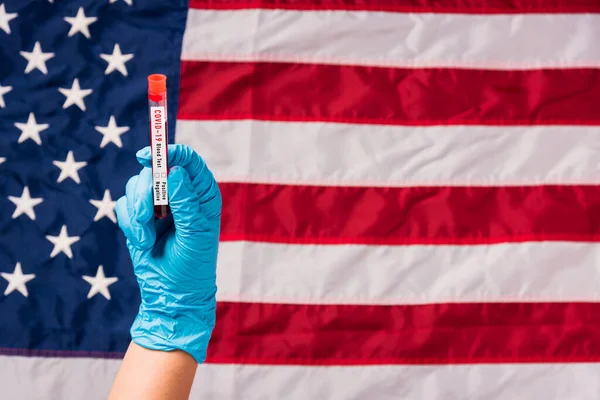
(409, 215)
(358, 94)
(440, 6)
(423, 334)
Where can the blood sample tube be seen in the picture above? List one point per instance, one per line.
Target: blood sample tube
(157, 105)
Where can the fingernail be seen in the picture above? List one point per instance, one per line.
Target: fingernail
(175, 172)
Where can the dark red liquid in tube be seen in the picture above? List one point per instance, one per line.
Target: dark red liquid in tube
(157, 105)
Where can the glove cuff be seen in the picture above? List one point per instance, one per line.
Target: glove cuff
(174, 326)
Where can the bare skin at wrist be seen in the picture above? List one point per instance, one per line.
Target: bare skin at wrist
(154, 375)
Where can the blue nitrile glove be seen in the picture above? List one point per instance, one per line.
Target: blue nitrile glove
(174, 259)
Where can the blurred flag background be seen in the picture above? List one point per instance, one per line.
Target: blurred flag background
(410, 196)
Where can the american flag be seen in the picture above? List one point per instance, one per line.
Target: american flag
(410, 199)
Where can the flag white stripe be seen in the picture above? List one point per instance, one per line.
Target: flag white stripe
(37, 378)
(394, 39)
(417, 274)
(378, 155)
(474, 382)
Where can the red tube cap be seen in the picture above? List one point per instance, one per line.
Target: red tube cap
(157, 83)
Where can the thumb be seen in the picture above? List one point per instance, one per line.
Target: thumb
(135, 211)
(178, 154)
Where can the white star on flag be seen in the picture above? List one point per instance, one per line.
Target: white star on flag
(17, 281)
(31, 130)
(130, 2)
(5, 18)
(106, 207)
(80, 23)
(36, 59)
(2, 159)
(112, 132)
(4, 90)
(100, 283)
(62, 242)
(75, 95)
(69, 168)
(116, 61)
(25, 204)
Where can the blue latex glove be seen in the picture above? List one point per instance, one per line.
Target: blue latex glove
(174, 259)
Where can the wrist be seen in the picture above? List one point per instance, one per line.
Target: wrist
(167, 321)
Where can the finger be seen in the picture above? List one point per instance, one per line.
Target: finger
(195, 237)
(123, 217)
(140, 210)
(201, 177)
(185, 205)
(142, 193)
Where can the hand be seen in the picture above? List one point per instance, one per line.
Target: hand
(174, 259)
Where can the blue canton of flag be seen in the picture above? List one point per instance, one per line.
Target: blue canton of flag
(73, 112)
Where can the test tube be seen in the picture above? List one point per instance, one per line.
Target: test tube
(157, 105)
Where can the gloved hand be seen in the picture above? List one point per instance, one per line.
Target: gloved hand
(174, 259)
